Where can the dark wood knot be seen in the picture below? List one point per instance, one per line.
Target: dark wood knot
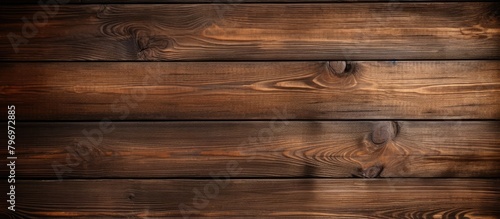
(131, 196)
(103, 10)
(384, 132)
(149, 47)
(372, 172)
(341, 68)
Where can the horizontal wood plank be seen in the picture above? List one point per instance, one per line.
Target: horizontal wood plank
(203, 1)
(245, 1)
(361, 31)
(390, 198)
(252, 90)
(261, 149)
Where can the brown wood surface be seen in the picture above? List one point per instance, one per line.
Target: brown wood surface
(298, 109)
(261, 149)
(339, 198)
(209, 1)
(360, 31)
(252, 90)
(261, 1)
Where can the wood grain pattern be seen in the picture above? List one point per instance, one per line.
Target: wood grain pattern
(264, 109)
(252, 90)
(361, 31)
(390, 198)
(245, 1)
(44, 2)
(206, 1)
(261, 149)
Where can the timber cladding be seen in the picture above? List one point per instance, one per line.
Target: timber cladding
(250, 109)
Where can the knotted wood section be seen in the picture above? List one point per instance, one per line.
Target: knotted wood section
(261, 149)
(396, 31)
(253, 90)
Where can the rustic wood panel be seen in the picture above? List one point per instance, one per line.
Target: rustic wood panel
(361, 31)
(290, 132)
(392, 198)
(205, 1)
(244, 1)
(47, 2)
(253, 90)
(261, 149)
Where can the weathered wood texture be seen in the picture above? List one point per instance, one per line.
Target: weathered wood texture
(361, 31)
(332, 124)
(53, 2)
(61, 2)
(348, 198)
(253, 90)
(263, 1)
(261, 149)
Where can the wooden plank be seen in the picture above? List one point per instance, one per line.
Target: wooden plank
(205, 1)
(362, 31)
(252, 90)
(245, 1)
(261, 149)
(45, 2)
(390, 198)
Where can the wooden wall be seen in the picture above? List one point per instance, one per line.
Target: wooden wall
(252, 108)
